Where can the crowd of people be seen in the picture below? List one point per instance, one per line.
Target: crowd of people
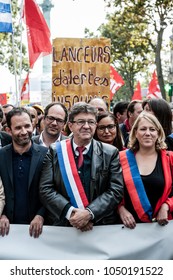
(86, 166)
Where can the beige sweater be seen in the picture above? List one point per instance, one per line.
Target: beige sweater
(2, 197)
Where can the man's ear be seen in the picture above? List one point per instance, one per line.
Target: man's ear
(8, 130)
(118, 115)
(130, 114)
(70, 126)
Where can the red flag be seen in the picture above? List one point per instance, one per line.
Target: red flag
(3, 98)
(153, 88)
(116, 81)
(38, 33)
(137, 93)
(25, 96)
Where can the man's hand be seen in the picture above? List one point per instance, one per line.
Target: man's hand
(36, 226)
(79, 218)
(88, 227)
(4, 225)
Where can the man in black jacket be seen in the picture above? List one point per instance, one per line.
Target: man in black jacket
(81, 188)
(20, 167)
(5, 138)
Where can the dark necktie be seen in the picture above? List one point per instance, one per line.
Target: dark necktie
(80, 157)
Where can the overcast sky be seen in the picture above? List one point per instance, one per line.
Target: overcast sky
(68, 20)
(70, 17)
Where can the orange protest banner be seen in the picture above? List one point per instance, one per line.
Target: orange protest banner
(81, 69)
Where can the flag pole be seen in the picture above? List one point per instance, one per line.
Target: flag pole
(15, 71)
(20, 77)
(7, 27)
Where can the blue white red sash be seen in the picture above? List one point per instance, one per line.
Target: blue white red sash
(135, 186)
(70, 174)
(170, 135)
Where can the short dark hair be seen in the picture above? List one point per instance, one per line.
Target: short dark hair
(162, 111)
(81, 107)
(56, 103)
(18, 111)
(1, 114)
(131, 106)
(7, 105)
(120, 107)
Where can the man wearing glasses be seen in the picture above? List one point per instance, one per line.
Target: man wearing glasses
(55, 117)
(81, 181)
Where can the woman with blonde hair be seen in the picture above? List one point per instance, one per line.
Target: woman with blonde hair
(147, 173)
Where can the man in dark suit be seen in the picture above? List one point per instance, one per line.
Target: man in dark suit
(81, 182)
(55, 117)
(20, 167)
(5, 138)
(6, 108)
(134, 108)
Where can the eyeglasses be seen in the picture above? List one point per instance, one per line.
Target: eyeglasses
(83, 122)
(51, 119)
(110, 127)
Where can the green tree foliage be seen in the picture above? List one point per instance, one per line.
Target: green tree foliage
(136, 30)
(7, 57)
(129, 39)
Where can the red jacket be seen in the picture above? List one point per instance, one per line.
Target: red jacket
(167, 163)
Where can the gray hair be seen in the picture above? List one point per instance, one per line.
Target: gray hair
(81, 107)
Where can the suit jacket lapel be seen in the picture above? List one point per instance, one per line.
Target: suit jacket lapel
(8, 160)
(96, 156)
(34, 161)
(95, 166)
(168, 179)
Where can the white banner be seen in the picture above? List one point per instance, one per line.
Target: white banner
(115, 242)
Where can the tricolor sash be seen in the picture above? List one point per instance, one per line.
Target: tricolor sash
(70, 174)
(170, 135)
(135, 186)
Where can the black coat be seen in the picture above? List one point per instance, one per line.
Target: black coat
(6, 173)
(106, 182)
(5, 138)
